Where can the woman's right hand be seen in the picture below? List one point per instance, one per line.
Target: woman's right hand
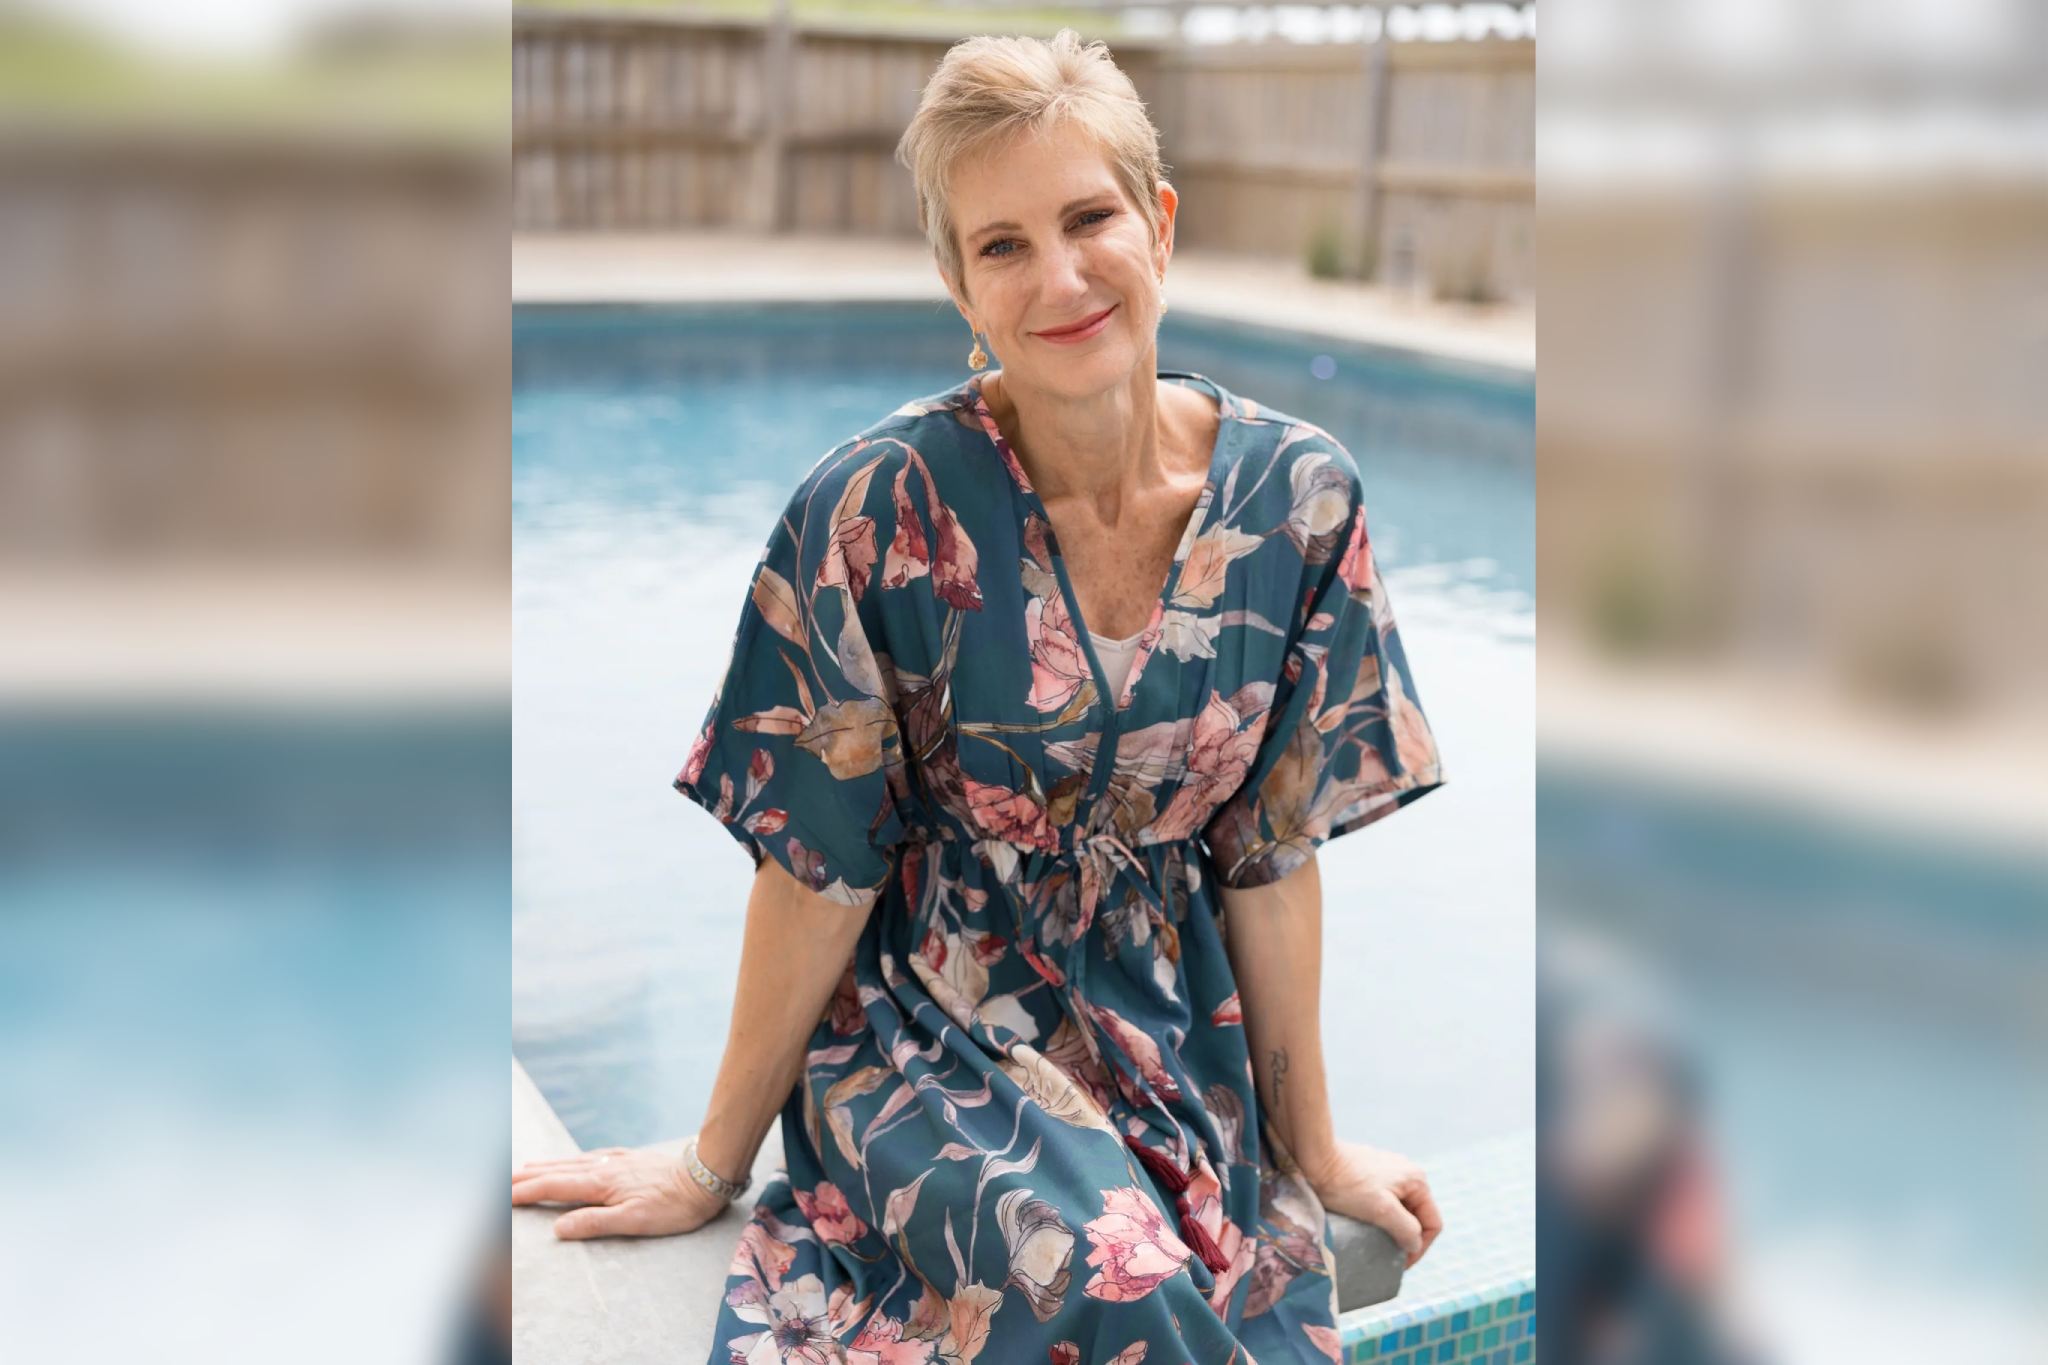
(1385, 1189)
(629, 1191)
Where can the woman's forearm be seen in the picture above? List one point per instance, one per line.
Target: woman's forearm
(795, 950)
(1274, 935)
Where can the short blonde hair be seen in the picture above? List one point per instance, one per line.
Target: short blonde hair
(988, 90)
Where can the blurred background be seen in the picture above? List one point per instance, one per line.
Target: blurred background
(1292, 131)
(256, 515)
(1793, 803)
(254, 681)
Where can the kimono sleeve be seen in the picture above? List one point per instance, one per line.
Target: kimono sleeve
(796, 756)
(1346, 743)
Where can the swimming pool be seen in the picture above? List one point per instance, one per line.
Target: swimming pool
(652, 450)
(1857, 1009)
(252, 997)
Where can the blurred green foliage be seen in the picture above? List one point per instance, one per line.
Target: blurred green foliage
(367, 77)
(1326, 251)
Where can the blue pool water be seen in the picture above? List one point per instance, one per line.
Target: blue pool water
(652, 450)
(1860, 1009)
(253, 997)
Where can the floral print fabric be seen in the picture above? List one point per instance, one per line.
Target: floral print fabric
(1039, 1038)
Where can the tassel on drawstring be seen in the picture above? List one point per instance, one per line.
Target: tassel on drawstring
(1161, 1165)
(1176, 1181)
(1204, 1246)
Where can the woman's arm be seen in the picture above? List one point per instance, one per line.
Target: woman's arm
(1274, 935)
(795, 950)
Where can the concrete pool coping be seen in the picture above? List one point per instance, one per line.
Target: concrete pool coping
(716, 267)
(1746, 738)
(633, 1301)
(612, 1301)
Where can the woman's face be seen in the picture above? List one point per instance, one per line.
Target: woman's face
(1057, 264)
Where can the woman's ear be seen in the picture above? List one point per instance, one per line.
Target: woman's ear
(1169, 208)
(959, 302)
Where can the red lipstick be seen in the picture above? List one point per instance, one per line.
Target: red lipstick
(1077, 331)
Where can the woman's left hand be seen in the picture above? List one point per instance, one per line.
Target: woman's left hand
(631, 1191)
(1385, 1189)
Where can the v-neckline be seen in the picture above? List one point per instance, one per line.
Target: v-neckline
(1113, 706)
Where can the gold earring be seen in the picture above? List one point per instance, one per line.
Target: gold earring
(977, 359)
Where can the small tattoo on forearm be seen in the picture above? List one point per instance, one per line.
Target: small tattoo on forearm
(1277, 1063)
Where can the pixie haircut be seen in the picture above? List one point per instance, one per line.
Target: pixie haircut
(989, 90)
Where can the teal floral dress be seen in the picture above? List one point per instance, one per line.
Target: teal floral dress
(1038, 1038)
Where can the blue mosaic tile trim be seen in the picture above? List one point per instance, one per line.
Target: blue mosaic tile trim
(1495, 1325)
(1473, 1298)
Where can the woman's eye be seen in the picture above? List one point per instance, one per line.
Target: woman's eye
(1001, 247)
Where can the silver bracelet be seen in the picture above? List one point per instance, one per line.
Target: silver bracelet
(728, 1190)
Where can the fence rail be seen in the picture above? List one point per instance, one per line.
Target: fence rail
(1410, 161)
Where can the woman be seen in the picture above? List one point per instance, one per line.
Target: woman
(1042, 683)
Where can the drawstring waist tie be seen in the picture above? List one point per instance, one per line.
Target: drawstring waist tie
(1176, 1180)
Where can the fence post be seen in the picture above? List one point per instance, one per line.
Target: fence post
(771, 153)
(1372, 141)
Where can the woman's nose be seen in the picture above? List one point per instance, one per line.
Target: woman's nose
(1065, 279)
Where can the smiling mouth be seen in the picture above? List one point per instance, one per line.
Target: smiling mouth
(1079, 331)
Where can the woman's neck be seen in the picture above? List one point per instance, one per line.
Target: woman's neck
(1101, 449)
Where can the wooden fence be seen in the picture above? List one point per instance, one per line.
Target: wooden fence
(251, 347)
(1411, 161)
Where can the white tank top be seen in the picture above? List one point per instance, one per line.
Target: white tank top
(1116, 657)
